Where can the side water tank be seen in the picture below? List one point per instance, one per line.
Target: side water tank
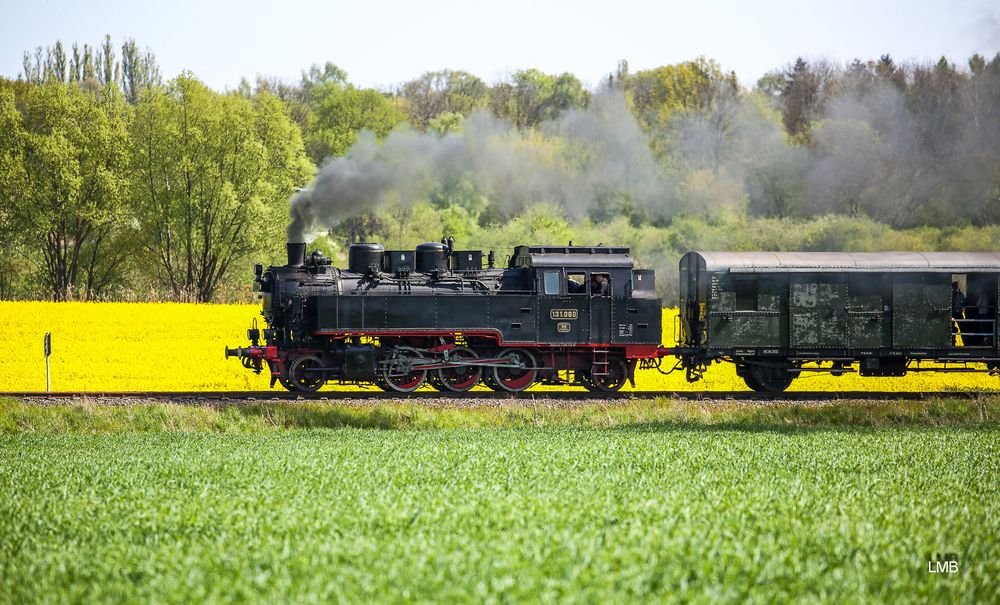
(361, 257)
(431, 256)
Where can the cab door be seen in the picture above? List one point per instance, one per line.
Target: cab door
(602, 320)
(563, 312)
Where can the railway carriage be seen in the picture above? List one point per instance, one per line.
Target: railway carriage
(776, 315)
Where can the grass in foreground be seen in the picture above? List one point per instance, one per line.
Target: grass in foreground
(17, 417)
(644, 501)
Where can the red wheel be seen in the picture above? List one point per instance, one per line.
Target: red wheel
(461, 378)
(521, 372)
(403, 382)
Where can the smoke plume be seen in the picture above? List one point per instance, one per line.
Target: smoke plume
(907, 146)
(605, 153)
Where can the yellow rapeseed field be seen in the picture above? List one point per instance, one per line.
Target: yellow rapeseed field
(173, 346)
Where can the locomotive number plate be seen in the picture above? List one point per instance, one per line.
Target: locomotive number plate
(563, 314)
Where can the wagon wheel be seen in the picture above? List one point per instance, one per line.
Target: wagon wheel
(768, 378)
(752, 382)
(305, 375)
(611, 383)
(402, 380)
(516, 379)
(461, 378)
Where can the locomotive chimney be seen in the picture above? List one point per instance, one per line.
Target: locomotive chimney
(296, 253)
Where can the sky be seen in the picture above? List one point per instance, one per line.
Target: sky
(383, 43)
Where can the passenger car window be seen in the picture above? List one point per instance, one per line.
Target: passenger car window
(746, 294)
(550, 280)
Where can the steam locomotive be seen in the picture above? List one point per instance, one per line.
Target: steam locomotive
(585, 316)
(567, 315)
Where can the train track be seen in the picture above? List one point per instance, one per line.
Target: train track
(208, 397)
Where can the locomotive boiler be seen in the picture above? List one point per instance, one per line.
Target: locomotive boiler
(569, 315)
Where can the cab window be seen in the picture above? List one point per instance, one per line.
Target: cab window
(600, 284)
(550, 282)
(576, 283)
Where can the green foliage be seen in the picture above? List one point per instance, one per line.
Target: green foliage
(658, 94)
(12, 182)
(633, 511)
(442, 92)
(338, 112)
(532, 97)
(139, 71)
(467, 214)
(908, 153)
(66, 183)
(95, 67)
(214, 173)
(445, 122)
(328, 74)
(407, 226)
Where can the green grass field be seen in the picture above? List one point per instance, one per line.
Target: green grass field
(649, 500)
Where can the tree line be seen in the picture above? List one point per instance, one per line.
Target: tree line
(116, 184)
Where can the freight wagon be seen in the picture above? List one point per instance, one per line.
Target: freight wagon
(776, 315)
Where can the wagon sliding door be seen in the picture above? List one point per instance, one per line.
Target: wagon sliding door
(817, 313)
(866, 322)
(921, 310)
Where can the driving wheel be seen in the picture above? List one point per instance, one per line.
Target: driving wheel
(520, 371)
(460, 378)
(306, 374)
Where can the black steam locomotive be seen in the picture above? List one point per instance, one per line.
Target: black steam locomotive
(569, 315)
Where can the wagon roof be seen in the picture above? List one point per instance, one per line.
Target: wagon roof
(576, 260)
(797, 262)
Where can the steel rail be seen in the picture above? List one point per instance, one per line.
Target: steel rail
(368, 395)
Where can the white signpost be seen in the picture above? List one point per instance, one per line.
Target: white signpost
(48, 351)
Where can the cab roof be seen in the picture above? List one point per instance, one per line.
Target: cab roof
(571, 256)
